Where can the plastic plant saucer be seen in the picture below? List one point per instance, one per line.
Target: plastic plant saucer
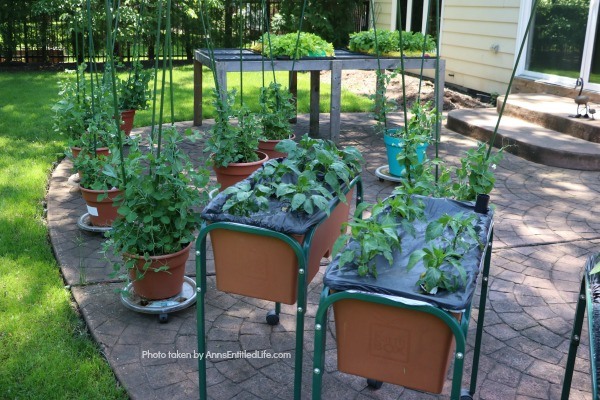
(383, 173)
(184, 299)
(84, 224)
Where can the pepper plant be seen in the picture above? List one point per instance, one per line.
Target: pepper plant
(371, 239)
(314, 173)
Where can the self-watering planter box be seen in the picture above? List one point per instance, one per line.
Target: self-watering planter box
(388, 329)
(400, 346)
(253, 264)
(272, 255)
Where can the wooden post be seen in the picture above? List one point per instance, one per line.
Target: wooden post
(336, 100)
(197, 93)
(315, 93)
(293, 87)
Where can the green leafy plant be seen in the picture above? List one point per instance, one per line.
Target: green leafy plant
(288, 45)
(435, 277)
(277, 108)
(370, 239)
(314, 172)
(476, 173)
(97, 172)
(245, 199)
(450, 238)
(233, 143)
(387, 43)
(134, 92)
(160, 202)
(80, 107)
(460, 227)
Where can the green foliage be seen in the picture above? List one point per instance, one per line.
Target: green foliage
(97, 172)
(246, 199)
(475, 175)
(160, 205)
(46, 351)
(84, 114)
(288, 45)
(372, 238)
(277, 108)
(387, 43)
(557, 35)
(314, 172)
(435, 278)
(229, 143)
(333, 20)
(450, 238)
(134, 92)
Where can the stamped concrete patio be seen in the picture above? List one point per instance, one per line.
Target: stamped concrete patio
(547, 222)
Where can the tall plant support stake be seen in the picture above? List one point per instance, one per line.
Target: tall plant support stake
(188, 293)
(383, 172)
(512, 77)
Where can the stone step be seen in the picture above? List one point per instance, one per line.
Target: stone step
(553, 112)
(527, 140)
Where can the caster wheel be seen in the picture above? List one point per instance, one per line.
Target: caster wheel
(380, 179)
(375, 384)
(163, 318)
(272, 318)
(465, 395)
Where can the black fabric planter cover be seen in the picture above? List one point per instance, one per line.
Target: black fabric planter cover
(395, 280)
(276, 218)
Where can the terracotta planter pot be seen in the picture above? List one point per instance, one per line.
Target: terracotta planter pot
(404, 347)
(103, 151)
(266, 268)
(103, 212)
(100, 151)
(235, 172)
(162, 284)
(268, 147)
(127, 116)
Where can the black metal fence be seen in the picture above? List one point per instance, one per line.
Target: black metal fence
(52, 39)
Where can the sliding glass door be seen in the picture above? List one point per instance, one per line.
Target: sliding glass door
(562, 43)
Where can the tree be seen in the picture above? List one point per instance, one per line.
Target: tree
(333, 20)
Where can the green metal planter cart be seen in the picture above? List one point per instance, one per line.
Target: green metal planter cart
(589, 295)
(401, 324)
(282, 276)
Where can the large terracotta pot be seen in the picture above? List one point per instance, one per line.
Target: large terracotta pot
(157, 285)
(99, 151)
(266, 268)
(103, 212)
(127, 116)
(268, 147)
(400, 346)
(235, 172)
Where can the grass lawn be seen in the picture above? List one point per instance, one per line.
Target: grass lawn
(184, 101)
(45, 352)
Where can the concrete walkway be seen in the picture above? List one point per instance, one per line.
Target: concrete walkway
(547, 223)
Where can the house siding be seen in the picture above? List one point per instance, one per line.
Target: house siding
(383, 14)
(470, 29)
